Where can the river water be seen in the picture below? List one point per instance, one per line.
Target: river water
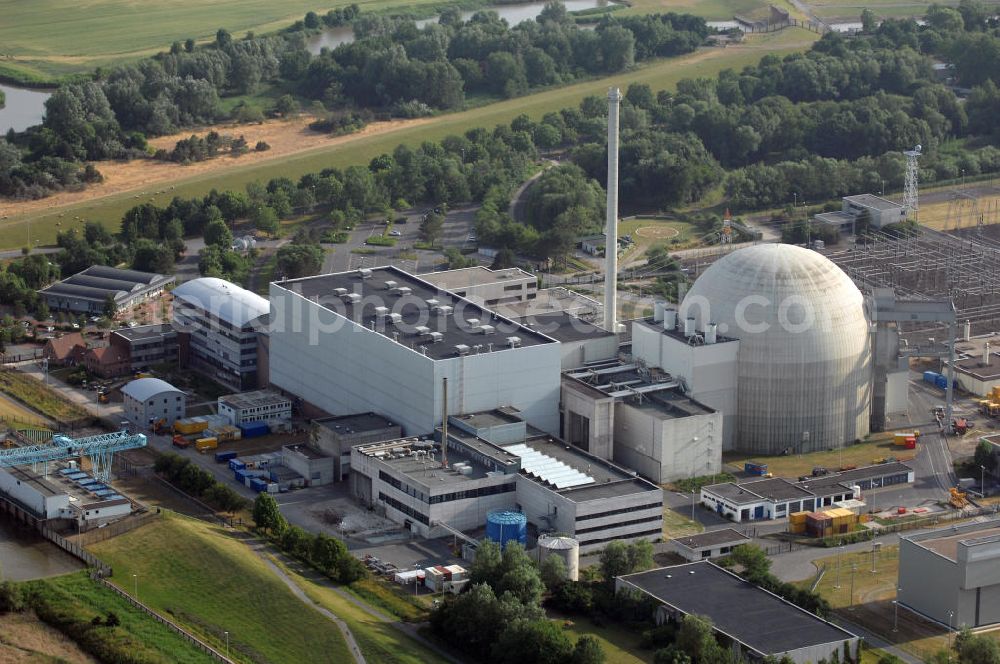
(514, 14)
(24, 108)
(26, 555)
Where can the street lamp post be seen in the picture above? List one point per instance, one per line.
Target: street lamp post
(850, 604)
(135, 586)
(840, 549)
(227, 644)
(982, 481)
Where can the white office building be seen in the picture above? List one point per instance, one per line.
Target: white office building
(258, 406)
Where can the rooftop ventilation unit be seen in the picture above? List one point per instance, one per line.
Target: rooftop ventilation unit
(401, 290)
(365, 273)
(340, 292)
(487, 329)
(352, 298)
(436, 337)
(396, 318)
(444, 310)
(432, 303)
(473, 323)
(461, 349)
(513, 342)
(389, 285)
(421, 330)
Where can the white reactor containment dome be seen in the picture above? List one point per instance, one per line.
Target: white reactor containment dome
(804, 366)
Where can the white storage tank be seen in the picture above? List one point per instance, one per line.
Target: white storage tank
(566, 548)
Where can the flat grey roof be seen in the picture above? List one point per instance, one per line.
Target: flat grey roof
(563, 327)
(734, 493)
(974, 366)
(777, 488)
(255, 399)
(848, 477)
(760, 620)
(676, 333)
(658, 390)
(609, 490)
(475, 276)
(489, 418)
(945, 541)
(834, 218)
(454, 328)
(550, 300)
(145, 331)
(713, 538)
(356, 423)
(873, 201)
(306, 451)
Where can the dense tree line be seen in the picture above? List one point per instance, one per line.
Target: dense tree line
(327, 554)
(191, 479)
(393, 67)
(393, 62)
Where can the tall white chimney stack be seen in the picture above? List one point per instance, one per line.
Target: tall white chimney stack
(611, 227)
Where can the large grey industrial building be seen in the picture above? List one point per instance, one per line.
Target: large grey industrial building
(952, 574)
(383, 340)
(754, 622)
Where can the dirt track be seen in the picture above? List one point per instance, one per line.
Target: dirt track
(286, 137)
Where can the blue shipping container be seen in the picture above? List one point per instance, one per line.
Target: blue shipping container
(224, 456)
(240, 475)
(931, 377)
(236, 464)
(258, 485)
(751, 468)
(273, 475)
(253, 429)
(941, 381)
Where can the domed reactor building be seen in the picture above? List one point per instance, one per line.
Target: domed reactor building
(777, 339)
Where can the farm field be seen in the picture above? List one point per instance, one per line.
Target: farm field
(100, 205)
(52, 38)
(209, 581)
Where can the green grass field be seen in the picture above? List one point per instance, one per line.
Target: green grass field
(793, 465)
(75, 600)
(620, 646)
(209, 581)
(661, 74)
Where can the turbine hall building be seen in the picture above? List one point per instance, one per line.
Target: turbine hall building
(383, 340)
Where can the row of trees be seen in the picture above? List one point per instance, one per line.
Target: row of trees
(191, 479)
(327, 554)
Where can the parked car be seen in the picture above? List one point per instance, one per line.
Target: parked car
(395, 233)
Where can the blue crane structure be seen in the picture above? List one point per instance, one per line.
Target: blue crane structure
(99, 448)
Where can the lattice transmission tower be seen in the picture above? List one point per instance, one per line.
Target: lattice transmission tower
(910, 201)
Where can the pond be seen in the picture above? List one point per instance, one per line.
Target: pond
(24, 108)
(24, 554)
(514, 14)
